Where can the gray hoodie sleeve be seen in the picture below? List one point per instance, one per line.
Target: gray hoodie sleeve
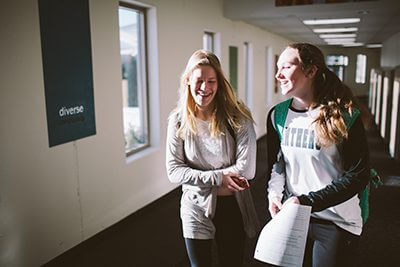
(246, 149)
(177, 169)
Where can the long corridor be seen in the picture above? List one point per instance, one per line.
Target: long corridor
(380, 242)
(152, 237)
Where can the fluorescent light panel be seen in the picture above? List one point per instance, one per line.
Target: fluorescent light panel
(346, 35)
(340, 40)
(353, 44)
(330, 21)
(374, 45)
(332, 30)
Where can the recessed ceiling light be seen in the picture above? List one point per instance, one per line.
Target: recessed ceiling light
(331, 30)
(330, 21)
(345, 35)
(353, 44)
(340, 40)
(363, 12)
(374, 45)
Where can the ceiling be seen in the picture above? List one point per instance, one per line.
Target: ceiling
(380, 19)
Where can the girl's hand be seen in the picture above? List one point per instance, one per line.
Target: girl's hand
(275, 205)
(241, 181)
(229, 183)
(293, 200)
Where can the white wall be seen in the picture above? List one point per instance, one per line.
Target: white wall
(53, 198)
(390, 51)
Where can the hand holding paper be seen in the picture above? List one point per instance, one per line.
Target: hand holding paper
(275, 205)
(282, 241)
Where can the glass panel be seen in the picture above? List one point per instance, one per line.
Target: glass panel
(374, 88)
(233, 67)
(208, 41)
(337, 60)
(276, 87)
(361, 68)
(384, 105)
(378, 100)
(248, 74)
(371, 86)
(269, 75)
(393, 127)
(336, 64)
(133, 78)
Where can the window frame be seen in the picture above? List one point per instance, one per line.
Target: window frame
(145, 76)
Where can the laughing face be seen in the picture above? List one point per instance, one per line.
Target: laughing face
(203, 87)
(290, 75)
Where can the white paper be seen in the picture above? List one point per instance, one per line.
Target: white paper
(282, 241)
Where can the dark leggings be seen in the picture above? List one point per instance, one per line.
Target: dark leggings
(329, 245)
(229, 237)
(199, 252)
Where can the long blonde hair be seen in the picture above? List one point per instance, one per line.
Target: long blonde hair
(330, 93)
(228, 109)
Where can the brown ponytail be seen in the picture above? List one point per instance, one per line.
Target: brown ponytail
(330, 94)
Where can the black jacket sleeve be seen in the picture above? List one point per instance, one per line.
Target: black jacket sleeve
(273, 144)
(355, 177)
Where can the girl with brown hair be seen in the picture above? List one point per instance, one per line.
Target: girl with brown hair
(316, 158)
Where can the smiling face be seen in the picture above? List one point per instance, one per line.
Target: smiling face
(203, 87)
(290, 74)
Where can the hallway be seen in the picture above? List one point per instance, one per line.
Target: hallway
(380, 241)
(153, 237)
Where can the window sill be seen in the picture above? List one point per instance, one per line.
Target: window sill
(140, 154)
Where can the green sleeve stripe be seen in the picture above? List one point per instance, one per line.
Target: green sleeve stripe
(350, 119)
(280, 113)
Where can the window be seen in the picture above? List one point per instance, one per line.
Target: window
(233, 67)
(393, 128)
(385, 99)
(248, 78)
(208, 41)
(374, 89)
(371, 87)
(361, 68)
(337, 63)
(378, 100)
(134, 77)
(269, 75)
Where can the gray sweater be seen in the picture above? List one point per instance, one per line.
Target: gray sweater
(186, 165)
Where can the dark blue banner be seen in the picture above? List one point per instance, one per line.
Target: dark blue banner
(67, 69)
